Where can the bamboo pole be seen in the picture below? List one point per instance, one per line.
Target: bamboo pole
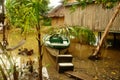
(96, 52)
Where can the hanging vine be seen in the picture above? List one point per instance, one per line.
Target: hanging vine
(105, 3)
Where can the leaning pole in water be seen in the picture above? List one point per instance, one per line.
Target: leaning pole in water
(96, 52)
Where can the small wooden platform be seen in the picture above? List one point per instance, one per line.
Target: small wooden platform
(64, 58)
(62, 67)
(79, 76)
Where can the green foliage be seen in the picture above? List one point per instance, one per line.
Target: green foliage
(105, 3)
(47, 22)
(82, 33)
(26, 13)
(73, 8)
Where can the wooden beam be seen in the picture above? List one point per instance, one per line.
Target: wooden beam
(78, 75)
(96, 52)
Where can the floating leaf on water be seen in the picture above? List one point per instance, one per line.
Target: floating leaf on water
(113, 72)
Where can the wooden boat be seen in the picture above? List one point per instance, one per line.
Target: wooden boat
(57, 41)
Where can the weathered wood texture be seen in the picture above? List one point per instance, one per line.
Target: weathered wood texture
(93, 16)
(79, 76)
(107, 30)
(57, 16)
(57, 21)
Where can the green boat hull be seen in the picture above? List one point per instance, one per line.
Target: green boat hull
(57, 41)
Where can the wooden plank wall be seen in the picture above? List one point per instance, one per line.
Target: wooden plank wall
(93, 16)
(57, 21)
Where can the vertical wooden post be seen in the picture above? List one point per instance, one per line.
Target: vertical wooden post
(99, 35)
(115, 40)
(96, 52)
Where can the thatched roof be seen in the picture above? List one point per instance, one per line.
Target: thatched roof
(57, 12)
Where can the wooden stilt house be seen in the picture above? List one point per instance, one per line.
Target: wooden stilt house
(93, 16)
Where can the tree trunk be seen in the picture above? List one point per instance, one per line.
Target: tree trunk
(98, 48)
(40, 68)
(4, 28)
(40, 52)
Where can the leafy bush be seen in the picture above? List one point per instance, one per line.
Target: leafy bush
(82, 33)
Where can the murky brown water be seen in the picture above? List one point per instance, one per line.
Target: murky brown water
(106, 69)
